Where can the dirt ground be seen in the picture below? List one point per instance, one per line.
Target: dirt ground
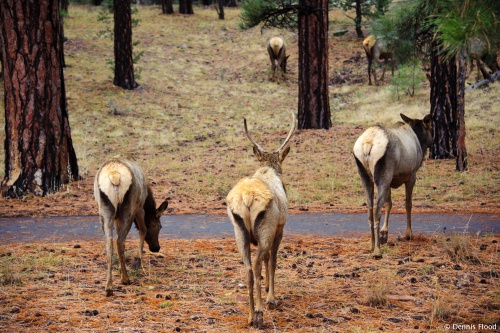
(323, 284)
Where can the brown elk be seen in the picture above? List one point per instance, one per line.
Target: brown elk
(375, 52)
(257, 207)
(123, 197)
(387, 158)
(277, 53)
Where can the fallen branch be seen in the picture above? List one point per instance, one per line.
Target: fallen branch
(495, 76)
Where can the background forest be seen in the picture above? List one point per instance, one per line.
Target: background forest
(199, 76)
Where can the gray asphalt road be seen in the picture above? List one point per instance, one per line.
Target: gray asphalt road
(63, 229)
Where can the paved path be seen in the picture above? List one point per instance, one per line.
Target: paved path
(74, 228)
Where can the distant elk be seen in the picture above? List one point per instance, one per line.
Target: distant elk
(387, 158)
(257, 207)
(277, 53)
(375, 52)
(123, 196)
(482, 54)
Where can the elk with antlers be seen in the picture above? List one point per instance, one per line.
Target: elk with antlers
(257, 207)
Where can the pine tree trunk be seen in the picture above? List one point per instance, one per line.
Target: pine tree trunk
(182, 6)
(186, 7)
(221, 9)
(166, 7)
(461, 149)
(443, 105)
(314, 104)
(39, 154)
(358, 19)
(124, 64)
(64, 5)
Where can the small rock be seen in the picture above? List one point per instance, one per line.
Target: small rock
(15, 310)
(457, 267)
(159, 296)
(413, 280)
(91, 313)
(77, 246)
(195, 317)
(309, 315)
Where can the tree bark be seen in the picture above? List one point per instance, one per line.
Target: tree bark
(220, 11)
(314, 104)
(358, 19)
(461, 149)
(186, 7)
(124, 64)
(167, 7)
(39, 154)
(64, 5)
(443, 105)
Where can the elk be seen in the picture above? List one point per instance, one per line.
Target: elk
(482, 54)
(257, 207)
(123, 197)
(377, 51)
(387, 158)
(277, 54)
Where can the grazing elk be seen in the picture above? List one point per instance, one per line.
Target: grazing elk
(257, 207)
(277, 53)
(387, 158)
(482, 54)
(377, 51)
(123, 196)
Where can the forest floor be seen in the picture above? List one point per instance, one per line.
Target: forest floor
(198, 78)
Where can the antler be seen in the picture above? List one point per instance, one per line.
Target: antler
(289, 134)
(250, 138)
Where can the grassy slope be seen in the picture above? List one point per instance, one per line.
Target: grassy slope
(200, 76)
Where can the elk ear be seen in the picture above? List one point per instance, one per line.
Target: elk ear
(406, 119)
(284, 153)
(257, 153)
(427, 121)
(162, 208)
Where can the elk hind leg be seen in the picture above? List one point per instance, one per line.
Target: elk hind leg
(381, 197)
(271, 299)
(257, 271)
(123, 227)
(107, 226)
(243, 242)
(384, 232)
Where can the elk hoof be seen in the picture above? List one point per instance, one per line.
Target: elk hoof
(272, 305)
(109, 292)
(258, 321)
(377, 256)
(384, 235)
(136, 264)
